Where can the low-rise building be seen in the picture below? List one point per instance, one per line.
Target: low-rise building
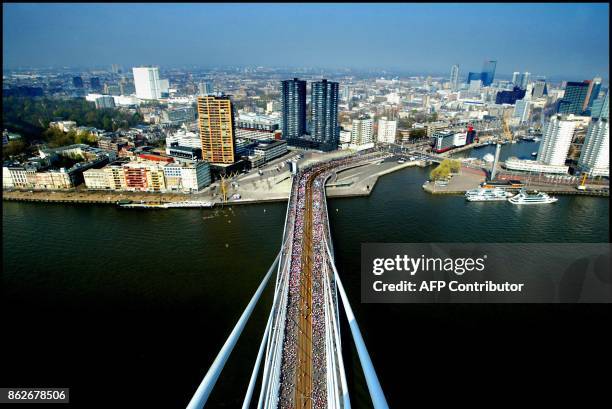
(270, 149)
(526, 165)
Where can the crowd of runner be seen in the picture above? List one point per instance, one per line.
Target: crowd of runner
(297, 207)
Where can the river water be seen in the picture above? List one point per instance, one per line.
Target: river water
(132, 306)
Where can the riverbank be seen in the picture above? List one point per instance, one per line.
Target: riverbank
(470, 178)
(354, 182)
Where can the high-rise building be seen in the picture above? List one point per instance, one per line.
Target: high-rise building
(362, 131)
(454, 77)
(95, 84)
(556, 140)
(324, 100)
(539, 89)
(474, 76)
(147, 83)
(293, 108)
(522, 109)
(592, 94)
(77, 82)
(205, 88)
(595, 155)
(216, 124)
(386, 130)
(488, 72)
(600, 108)
(347, 93)
(524, 80)
(116, 69)
(574, 98)
(516, 78)
(509, 97)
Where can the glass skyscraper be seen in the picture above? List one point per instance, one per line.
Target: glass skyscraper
(574, 98)
(488, 72)
(293, 108)
(324, 101)
(454, 77)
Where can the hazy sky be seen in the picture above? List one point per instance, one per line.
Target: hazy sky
(567, 40)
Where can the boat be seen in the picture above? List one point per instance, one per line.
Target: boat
(537, 139)
(486, 195)
(534, 154)
(536, 198)
(186, 204)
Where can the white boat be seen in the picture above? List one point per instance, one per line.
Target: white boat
(170, 205)
(537, 139)
(487, 194)
(536, 198)
(534, 154)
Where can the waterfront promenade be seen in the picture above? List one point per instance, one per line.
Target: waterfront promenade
(273, 186)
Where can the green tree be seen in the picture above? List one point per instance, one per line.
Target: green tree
(14, 148)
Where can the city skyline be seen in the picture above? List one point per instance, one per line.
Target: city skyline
(164, 34)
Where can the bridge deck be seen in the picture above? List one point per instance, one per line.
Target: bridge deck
(306, 344)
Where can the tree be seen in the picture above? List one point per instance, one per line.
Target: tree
(14, 148)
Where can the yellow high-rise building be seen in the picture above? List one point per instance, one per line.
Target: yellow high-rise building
(216, 123)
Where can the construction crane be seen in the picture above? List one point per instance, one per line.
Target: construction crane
(223, 184)
(582, 186)
(506, 128)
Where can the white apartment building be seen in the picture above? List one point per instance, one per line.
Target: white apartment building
(147, 82)
(187, 177)
(362, 131)
(556, 140)
(98, 179)
(526, 165)
(184, 138)
(595, 155)
(386, 130)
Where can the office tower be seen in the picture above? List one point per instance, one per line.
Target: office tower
(510, 97)
(205, 88)
(454, 77)
(592, 94)
(474, 76)
(386, 130)
(600, 108)
(475, 86)
(539, 89)
(95, 84)
(324, 100)
(216, 124)
(515, 78)
(77, 82)
(361, 131)
(347, 93)
(488, 72)
(522, 109)
(293, 108)
(556, 140)
(146, 81)
(595, 155)
(116, 69)
(524, 80)
(574, 98)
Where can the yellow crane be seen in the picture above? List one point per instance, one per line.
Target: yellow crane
(224, 184)
(582, 186)
(506, 128)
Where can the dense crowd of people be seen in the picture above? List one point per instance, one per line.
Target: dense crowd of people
(318, 252)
